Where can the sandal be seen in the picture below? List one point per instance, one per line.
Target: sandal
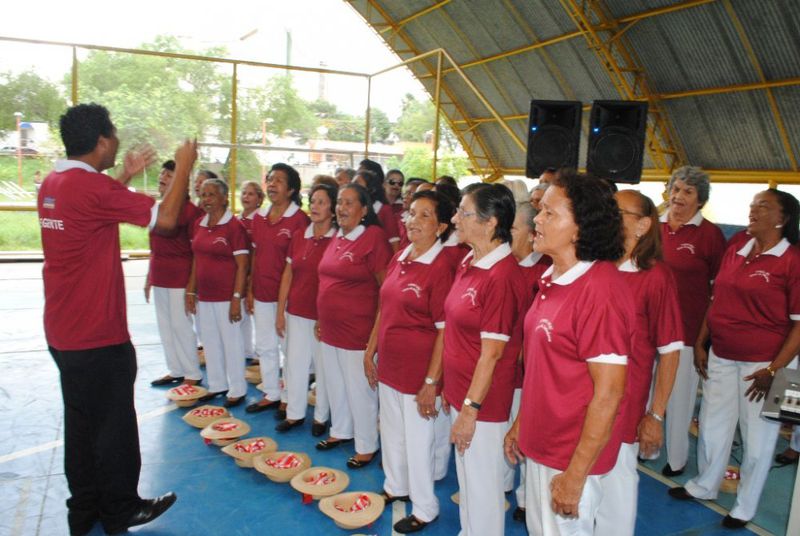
(411, 524)
(327, 444)
(787, 457)
(355, 463)
(389, 499)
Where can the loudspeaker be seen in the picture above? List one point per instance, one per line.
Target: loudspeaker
(616, 140)
(554, 133)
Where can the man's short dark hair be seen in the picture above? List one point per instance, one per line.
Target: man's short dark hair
(169, 165)
(81, 127)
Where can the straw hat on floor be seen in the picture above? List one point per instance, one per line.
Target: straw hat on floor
(253, 374)
(319, 482)
(353, 510)
(185, 395)
(225, 431)
(281, 466)
(244, 450)
(202, 416)
(730, 484)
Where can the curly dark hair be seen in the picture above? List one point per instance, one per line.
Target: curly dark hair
(365, 200)
(791, 211)
(444, 209)
(292, 180)
(596, 213)
(81, 127)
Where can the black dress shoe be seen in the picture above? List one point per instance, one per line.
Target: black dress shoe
(147, 512)
(784, 459)
(280, 415)
(318, 428)
(166, 380)
(258, 407)
(355, 463)
(732, 523)
(233, 402)
(519, 514)
(328, 445)
(681, 494)
(669, 471)
(410, 524)
(212, 396)
(389, 499)
(286, 425)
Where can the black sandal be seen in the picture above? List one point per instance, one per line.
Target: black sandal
(325, 444)
(411, 524)
(355, 463)
(389, 499)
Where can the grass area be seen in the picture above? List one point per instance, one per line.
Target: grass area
(19, 231)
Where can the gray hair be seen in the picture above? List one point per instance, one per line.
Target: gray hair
(527, 213)
(696, 178)
(350, 172)
(222, 186)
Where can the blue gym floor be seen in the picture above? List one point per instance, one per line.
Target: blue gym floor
(214, 495)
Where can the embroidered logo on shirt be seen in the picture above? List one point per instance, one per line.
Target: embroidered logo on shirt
(285, 232)
(347, 255)
(687, 246)
(49, 202)
(411, 287)
(471, 293)
(761, 273)
(546, 326)
(220, 240)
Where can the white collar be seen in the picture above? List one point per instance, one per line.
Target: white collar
(310, 232)
(490, 259)
(531, 259)
(222, 221)
(250, 216)
(352, 235)
(290, 211)
(452, 240)
(695, 220)
(427, 257)
(376, 206)
(571, 275)
(65, 165)
(777, 250)
(628, 266)
(398, 201)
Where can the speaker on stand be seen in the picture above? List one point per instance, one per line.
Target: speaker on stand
(554, 131)
(617, 132)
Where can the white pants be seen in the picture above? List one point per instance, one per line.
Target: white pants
(508, 483)
(617, 512)
(302, 349)
(408, 451)
(680, 409)
(267, 348)
(539, 515)
(442, 447)
(222, 341)
(722, 406)
(247, 333)
(354, 405)
(177, 333)
(481, 502)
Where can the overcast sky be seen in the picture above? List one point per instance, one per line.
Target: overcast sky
(328, 31)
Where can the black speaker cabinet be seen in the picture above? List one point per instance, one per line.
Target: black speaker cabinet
(554, 133)
(616, 140)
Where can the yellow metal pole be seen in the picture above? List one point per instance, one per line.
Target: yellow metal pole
(367, 125)
(74, 76)
(436, 97)
(234, 152)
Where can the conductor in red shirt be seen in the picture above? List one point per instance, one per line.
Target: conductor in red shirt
(80, 210)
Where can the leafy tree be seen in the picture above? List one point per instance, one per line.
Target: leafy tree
(33, 96)
(288, 110)
(415, 120)
(380, 128)
(418, 162)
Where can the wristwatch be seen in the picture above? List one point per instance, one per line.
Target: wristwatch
(430, 381)
(471, 403)
(237, 295)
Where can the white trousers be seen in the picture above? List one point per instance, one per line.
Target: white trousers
(617, 512)
(539, 515)
(302, 350)
(722, 406)
(408, 451)
(508, 483)
(680, 409)
(222, 342)
(354, 405)
(481, 502)
(442, 447)
(267, 348)
(247, 333)
(177, 333)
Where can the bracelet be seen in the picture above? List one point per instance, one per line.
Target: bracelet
(191, 294)
(655, 415)
(771, 370)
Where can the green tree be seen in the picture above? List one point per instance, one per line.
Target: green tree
(418, 162)
(33, 96)
(415, 120)
(288, 110)
(380, 128)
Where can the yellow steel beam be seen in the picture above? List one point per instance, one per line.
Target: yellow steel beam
(635, 17)
(731, 176)
(437, 103)
(402, 22)
(773, 105)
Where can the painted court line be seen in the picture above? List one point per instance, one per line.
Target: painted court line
(144, 417)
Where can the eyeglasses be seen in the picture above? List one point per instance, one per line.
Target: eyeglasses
(629, 213)
(395, 183)
(464, 213)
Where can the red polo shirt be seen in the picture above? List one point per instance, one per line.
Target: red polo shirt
(214, 251)
(84, 290)
(305, 253)
(270, 246)
(388, 221)
(171, 254)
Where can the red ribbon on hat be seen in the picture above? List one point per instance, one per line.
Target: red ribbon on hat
(731, 475)
(307, 499)
(287, 461)
(185, 390)
(361, 503)
(322, 479)
(207, 412)
(225, 426)
(253, 446)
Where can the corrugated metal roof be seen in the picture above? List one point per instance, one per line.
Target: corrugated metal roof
(680, 46)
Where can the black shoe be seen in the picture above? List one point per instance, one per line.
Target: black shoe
(519, 514)
(782, 459)
(258, 407)
(81, 522)
(732, 523)
(355, 463)
(147, 512)
(233, 402)
(681, 494)
(286, 425)
(410, 524)
(318, 428)
(166, 380)
(389, 499)
(325, 444)
(669, 471)
(280, 415)
(212, 396)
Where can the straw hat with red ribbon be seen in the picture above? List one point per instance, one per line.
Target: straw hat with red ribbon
(319, 482)
(202, 416)
(244, 450)
(185, 395)
(353, 510)
(225, 431)
(281, 466)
